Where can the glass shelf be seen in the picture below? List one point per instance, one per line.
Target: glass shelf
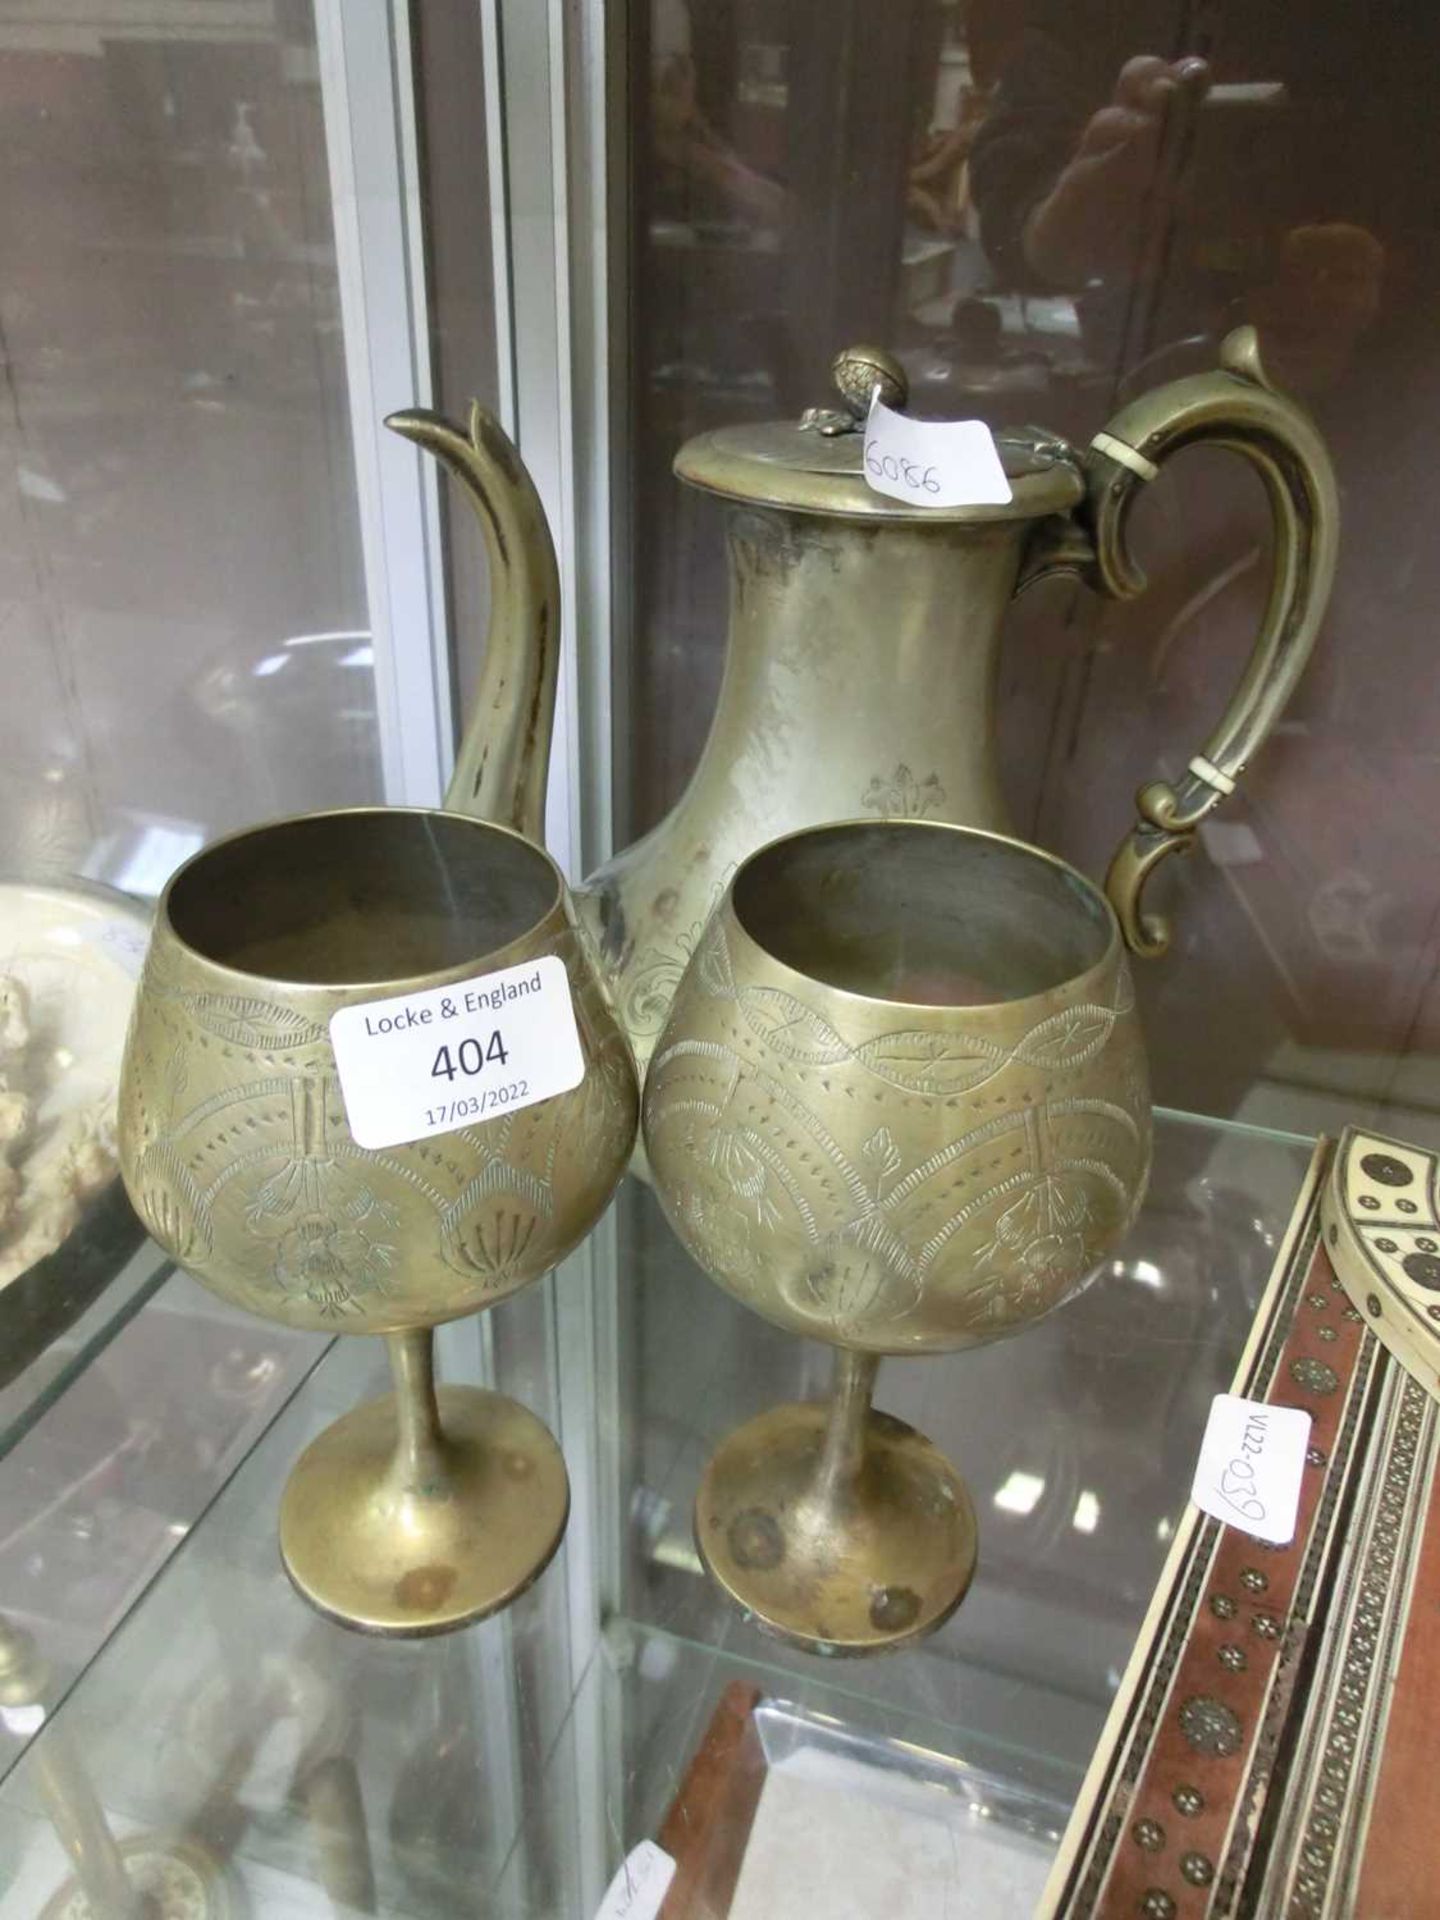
(309, 1763)
(42, 1379)
(116, 1441)
(508, 1769)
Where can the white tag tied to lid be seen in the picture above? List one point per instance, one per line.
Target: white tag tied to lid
(1252, 1461)
(933, 463)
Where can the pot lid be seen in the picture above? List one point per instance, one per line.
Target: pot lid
(815, 464)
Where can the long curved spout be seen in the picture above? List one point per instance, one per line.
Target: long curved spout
(504, 757)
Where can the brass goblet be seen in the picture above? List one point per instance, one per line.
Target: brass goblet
(420, 1511)
(900, 1105)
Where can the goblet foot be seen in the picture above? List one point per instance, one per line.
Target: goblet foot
(408, 1554)
(852, 1568)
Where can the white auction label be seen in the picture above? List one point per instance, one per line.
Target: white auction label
(639, 1887)
(933, 463)
(427, 1063)
(1251, 1463)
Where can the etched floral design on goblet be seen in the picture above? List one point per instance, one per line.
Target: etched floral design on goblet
(900, 1105)
(428, 1508)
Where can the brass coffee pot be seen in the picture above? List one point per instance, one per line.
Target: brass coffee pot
(865, 634)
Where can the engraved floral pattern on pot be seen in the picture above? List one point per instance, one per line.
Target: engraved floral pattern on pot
(657, 974)
(334, 1263)
(326, 1225)
(1039, 1243)
(903, 796)
(659, 968)
(741, 1168)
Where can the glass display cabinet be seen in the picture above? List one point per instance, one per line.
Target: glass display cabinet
(240, 237)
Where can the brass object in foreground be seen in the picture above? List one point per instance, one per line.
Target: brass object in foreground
(900, 1106)
(422, 1512)
(143, 1877)
(865, 633)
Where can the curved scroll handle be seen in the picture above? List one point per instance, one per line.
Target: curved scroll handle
(504, 757)
(1235, 408)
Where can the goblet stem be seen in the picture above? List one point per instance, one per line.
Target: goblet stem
(837, 1528)
(421, 1467)
(842, 1451)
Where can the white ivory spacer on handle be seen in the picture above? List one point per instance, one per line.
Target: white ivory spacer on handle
(1114, 449)
(1207, 771)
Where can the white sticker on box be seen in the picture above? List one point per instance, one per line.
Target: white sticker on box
(448, 1057)
(933, 463)
(1252, 1460)
(639, 1887)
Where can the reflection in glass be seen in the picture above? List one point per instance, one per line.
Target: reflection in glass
(178, 511)
(1044, 211)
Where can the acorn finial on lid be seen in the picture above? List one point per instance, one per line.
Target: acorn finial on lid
(859, 371)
